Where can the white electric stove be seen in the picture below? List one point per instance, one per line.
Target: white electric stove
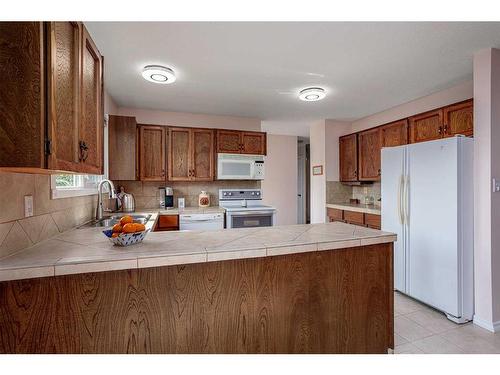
(244, 208)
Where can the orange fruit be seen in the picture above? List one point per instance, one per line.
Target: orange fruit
(129, 228)
(117, 228)
(139, 227)
(126, 220)
(114, 235)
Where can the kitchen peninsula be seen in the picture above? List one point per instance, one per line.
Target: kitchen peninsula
(318, 288)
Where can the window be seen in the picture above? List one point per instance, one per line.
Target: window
(74, 185)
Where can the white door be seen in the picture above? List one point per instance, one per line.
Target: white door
(393, 163)
(432, 224)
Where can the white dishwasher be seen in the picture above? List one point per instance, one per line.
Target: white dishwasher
(201, 221)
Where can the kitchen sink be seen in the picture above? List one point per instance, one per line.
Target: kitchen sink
(109, 221)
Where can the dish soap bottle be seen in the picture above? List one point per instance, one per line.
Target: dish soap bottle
(203, 199)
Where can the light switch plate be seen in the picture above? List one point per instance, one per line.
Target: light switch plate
(28, 205)
(496, 185)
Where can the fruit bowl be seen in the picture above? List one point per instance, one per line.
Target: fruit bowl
(125, 239)
(126, 232)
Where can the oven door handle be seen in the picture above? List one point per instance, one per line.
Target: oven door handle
(251, 213)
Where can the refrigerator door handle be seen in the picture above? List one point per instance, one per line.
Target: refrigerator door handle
(406, 198)
(399, 199)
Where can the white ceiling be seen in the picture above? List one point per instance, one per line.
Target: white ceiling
(256, 69)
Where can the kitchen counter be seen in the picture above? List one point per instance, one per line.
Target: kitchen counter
(88, 250)
(226, 291)
(357, 207)
(186, 210)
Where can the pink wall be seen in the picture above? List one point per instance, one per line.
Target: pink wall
(486, 203)
(280, 185)
(146, 116)
(452, 95)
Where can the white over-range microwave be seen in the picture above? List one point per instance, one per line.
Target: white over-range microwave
(240, 167)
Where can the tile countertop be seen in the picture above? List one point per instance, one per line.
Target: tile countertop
(357, 207)
(88, 250)
(186, 210)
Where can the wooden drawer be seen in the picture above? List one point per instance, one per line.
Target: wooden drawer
(335, 214)
(373, 221)
(353, 217)
(168, 222)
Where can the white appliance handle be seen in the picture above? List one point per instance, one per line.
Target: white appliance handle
(406, 199)
(399, 198)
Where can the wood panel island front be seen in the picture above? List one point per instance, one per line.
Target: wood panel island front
(320, 288)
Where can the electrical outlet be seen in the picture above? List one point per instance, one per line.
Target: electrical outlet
(496, 185)
(28, 205)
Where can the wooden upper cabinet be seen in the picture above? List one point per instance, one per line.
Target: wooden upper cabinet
(179, 154)
(229, 141)
(369, 155)
(152, 153)
(253, 143)
(458, 119)
(64, 94)
(241, 142)
(203, 154)
(191, 154)
(426, 126)
(348, 155)
(394, 134)
(91, 124)
(22, 95)
(51, 113)
(122, 146)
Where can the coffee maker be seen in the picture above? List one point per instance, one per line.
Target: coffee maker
(166, 197)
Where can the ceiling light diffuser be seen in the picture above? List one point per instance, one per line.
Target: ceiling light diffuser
(312, 94)
(158, 74)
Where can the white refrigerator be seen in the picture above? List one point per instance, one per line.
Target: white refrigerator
(427, 200)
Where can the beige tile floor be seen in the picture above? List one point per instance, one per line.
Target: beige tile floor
(419, 329)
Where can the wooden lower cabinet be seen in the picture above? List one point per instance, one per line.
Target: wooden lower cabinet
(335, 214)
(355, 218)
(167, 223)
(373, 221)
(330, 301)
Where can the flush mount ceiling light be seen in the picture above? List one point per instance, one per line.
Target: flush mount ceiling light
(312, 94)
(158, 74)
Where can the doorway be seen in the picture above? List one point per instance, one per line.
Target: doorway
(303, 180)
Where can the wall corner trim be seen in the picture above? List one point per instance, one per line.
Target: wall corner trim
(490, 326)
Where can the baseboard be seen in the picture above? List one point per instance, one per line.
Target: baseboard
(490, 326)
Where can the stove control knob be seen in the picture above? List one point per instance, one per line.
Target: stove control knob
(258, 193)
(224, 194)
(253, 192)
(230, 193)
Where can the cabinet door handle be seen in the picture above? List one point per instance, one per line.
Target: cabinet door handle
(445, 129)
(163, 172)
(84, 151)
(440, 130)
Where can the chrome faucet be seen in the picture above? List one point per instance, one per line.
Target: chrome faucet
(99, 209)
